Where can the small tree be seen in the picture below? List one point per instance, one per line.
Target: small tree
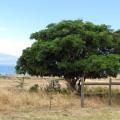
(72, 49)
(21, 83)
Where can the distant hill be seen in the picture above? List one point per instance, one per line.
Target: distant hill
(8, 59)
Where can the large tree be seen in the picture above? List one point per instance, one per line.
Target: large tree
(72, 49)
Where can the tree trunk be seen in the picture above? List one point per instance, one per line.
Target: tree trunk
(75, 83)
(79, 84)
(72, 83)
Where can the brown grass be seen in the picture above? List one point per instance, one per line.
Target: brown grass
(20, 104)
(12, 98)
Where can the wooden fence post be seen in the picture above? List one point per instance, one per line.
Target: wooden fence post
(82, 92)
(110, 83)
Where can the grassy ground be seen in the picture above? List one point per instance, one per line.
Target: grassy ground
(23, 105)
(12, 81)
(17, 104)
(106, 113)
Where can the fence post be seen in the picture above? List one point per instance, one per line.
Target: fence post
(82, 92)
(110, 80)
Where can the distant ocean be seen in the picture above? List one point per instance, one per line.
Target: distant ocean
(7, 69)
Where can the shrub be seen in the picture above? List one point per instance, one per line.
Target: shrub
(34, 88)
(54, 86)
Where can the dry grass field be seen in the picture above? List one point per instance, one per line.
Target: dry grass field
(69, 114)
(12, 81)
(20, 104)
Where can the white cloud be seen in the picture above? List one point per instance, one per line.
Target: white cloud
(13, 46)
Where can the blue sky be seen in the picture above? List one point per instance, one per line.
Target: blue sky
(19, 18)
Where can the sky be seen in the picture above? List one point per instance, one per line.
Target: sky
(20, 18)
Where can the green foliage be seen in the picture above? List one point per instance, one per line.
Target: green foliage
(72, 49)
(117, 41)
(34, 88)
(54, 86)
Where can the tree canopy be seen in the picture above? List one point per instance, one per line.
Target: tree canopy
(72, 49)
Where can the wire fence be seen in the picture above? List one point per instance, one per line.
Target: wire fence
(109, 84)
